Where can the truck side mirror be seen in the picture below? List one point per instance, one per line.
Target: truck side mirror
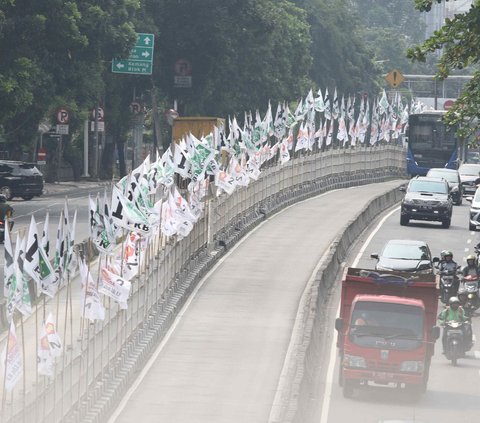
(435, 332)
(374, 256)
(339, 324)
(402, 189)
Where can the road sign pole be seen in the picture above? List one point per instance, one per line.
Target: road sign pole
(95, 160)
(85, 149)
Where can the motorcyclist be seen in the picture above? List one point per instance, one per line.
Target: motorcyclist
(454, 312)
(471, 269)
(449, 265)
(6, 212)
(463, 297)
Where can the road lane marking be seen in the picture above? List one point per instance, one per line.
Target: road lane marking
(332, 358)
(477, 354)
(467, 250)
(183, 310)
(469, 241)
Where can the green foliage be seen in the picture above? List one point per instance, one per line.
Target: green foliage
(340, 57)
(459, 41)
(389, 27)
(243, 52)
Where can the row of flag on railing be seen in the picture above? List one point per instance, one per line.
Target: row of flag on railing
(230, 160)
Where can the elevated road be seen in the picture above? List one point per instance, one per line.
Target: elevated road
(222, 359)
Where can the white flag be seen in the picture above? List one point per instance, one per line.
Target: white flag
(12, 360)
(54, 341)
(44, 356)
(115, 287)
(91, 304)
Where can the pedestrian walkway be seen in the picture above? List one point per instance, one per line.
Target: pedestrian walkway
(55, 188)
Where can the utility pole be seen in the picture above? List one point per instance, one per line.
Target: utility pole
(157, 139)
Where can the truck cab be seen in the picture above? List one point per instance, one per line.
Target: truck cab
(386, 329)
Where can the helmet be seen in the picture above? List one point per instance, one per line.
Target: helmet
(447, 253)
(453, 300)
(471, 257)
(442, 254)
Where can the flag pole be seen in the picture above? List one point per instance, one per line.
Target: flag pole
(24, 368)
(4, 392)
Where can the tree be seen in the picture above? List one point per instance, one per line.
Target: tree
(459, 42)
(340, 57)
(243, 53)
(54, 53)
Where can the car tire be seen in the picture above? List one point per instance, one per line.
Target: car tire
(6, 191)
(446, 223)
(27, 197)
(471, 227)
(459, 201)
(348, 388)
(404, 220)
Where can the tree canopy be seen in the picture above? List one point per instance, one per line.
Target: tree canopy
(243, 54)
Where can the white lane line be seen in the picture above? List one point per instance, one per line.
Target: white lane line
(477, 354)
(467, 250)
(154, 357)
(332, 358)
(469, 241)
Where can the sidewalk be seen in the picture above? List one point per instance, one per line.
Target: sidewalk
(55, 188)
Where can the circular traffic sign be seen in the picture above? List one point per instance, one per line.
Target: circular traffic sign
(448, 104)
(62, 116)
(183, 67)
(135, 107)
(100, 114)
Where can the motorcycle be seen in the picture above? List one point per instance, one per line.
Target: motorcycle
(455, 346)
(470, 285)
(448, 284)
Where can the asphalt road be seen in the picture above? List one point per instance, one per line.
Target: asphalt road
(454, 392)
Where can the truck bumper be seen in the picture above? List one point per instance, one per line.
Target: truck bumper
(382, 377)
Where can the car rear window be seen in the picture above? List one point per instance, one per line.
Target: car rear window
(448, 176)
(428, 186)
(406, 251)
(469, 170)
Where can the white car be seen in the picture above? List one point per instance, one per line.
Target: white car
(474, 222)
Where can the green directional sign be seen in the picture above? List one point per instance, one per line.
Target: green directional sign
(140, 60)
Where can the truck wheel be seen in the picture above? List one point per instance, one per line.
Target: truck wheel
(347, 388)
(404, 220)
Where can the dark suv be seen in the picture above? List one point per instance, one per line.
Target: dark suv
(426, 199)
(20, 179)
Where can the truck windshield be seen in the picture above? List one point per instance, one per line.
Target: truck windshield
(387, 325)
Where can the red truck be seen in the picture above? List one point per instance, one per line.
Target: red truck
(386, 329)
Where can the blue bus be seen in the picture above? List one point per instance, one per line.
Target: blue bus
(431, 143)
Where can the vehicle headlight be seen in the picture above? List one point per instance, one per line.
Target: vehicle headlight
(411, 366)
(444, 203)
(471, 296)
(355, 361)
(408, 202)
(424, 271)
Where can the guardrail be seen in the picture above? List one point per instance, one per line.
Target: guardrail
(101, 359)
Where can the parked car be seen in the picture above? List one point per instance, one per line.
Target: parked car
(474, 215)
(405, 255)
(426, 199)
(453, 179)
(20, 179)
(469, 173)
